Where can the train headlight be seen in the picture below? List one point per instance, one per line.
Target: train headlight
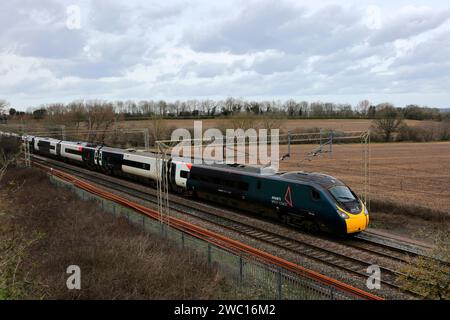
(343, 215)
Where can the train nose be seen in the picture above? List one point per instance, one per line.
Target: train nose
(357, 223)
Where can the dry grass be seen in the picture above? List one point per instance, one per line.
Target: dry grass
(45, 230)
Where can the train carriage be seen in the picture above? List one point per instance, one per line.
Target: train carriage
(46, 146)
(311, 199)
(142, 164)
(71, 150)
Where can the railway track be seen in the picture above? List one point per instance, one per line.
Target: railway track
(224, 242)
(342, 255)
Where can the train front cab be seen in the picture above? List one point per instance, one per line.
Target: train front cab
(355, 222)
(350, 208)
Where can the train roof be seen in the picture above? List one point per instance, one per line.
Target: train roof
(74, 143)
(113, 150)
(321, 179)
(241, 168)
(47, 139)
(130, 151)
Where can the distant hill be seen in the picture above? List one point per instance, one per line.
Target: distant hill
(445, 110)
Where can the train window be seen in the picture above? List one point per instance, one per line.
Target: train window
(315, 194)
(136, 164)
(43, 144)
(184, 174)
(258, 184)
(72, 151)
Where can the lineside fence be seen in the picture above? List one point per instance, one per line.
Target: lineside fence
(254, 278)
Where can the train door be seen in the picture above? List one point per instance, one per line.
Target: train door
(173, 171)
(98, 157)
(31, 142)
(44, 147)
(58, 149)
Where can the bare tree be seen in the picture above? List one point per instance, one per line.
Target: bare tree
(77, 113)
(100, 117)
(158, 128)
(270, 122)
(56, 113)
(363, 107)
(387, 121)
(240, 122)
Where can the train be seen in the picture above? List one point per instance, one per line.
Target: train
(308, 199)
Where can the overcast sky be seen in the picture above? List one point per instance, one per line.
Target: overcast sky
(397, 51)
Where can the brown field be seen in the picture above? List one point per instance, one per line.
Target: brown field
(285, 124)
(335, 124)
(406, 173)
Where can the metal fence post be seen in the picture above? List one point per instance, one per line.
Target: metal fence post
(209, 253)
(331, 142)
(289, 144)
(241, 267)
(320, 140)
(279, 286)
(182, 240)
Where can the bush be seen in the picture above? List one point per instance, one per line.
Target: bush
(9, 146)
(431, 132)
(408, 133)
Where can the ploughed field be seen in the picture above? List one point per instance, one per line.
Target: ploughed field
(291, 124)
(410, 174)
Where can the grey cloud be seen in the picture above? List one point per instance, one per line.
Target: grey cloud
(436, 50)
(279, 25)
(408, 24)
(278, 63)
(110, 16)
(39, 30)
(52, 43)
(204, 69)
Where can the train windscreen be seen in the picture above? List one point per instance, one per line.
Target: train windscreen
(342, 194)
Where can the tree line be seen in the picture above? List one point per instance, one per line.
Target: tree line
(79, 110)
